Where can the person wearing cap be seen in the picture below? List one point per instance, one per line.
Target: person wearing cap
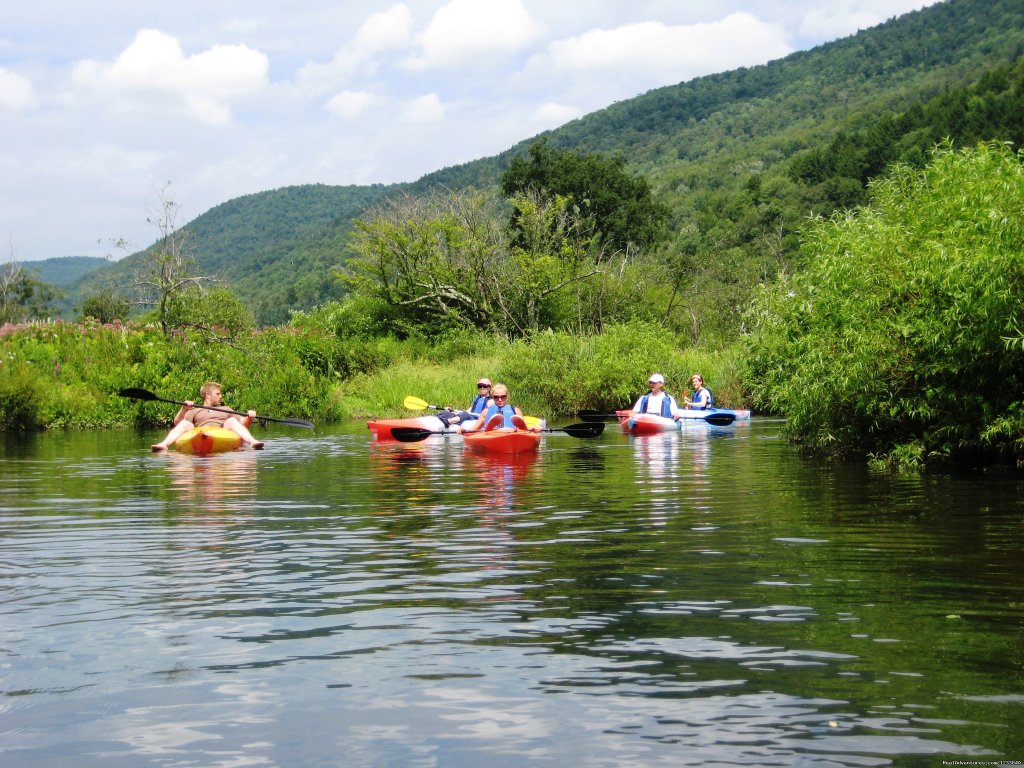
(480, 403)
(657, 401)
(702, 397)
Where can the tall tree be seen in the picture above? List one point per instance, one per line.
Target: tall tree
(621, 205)
(22, 297)
(444, 261)
(169, 267)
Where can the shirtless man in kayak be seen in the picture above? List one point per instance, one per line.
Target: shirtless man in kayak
(190, 416)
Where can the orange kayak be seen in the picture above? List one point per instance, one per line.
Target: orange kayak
(503, 441)
(209, 439)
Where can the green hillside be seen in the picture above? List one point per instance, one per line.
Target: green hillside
(65, 270)
(741, 158)
(276, 249)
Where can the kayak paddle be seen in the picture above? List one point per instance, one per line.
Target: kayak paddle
(414, 403)
(143, 394)
(414, 434)
(715, 418)
(595, 416)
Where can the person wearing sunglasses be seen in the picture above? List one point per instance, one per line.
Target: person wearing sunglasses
(499, 393)
(657, 401)
(480, 403)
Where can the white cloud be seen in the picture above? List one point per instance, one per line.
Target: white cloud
(471, 30)
(385, 31)
(425, 109)
(169, 106)
(846, 17)
(154, 65)
(380, 33)
(349, 104)
(552, 115)
(16, 92)
(670, 54)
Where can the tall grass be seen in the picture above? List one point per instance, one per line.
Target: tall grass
(67, 376)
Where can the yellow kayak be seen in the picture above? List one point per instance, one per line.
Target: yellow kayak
(209, 439)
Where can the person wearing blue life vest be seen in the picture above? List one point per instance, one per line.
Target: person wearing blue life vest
(702, 398)
(499, 394)
(657, 402)
(480, 403)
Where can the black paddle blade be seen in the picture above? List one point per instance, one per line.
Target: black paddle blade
(138, 394)
(595, 416)
(720, 419)
(582, 430)
(411, 434)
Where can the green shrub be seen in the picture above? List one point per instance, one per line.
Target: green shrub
(22, 395)
(563, 373)
(898, 337)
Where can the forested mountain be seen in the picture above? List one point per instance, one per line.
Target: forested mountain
(741, 158)
(277, 250)
(64, 270)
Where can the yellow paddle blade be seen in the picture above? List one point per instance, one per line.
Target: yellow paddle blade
(415, 404)
(532, 421)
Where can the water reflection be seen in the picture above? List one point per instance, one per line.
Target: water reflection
(657, 462)
(217, 483)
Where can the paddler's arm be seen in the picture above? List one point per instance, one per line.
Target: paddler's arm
(186, 406)
(247, 421)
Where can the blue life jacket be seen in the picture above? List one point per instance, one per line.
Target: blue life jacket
(507, 412)
(666, 404)
(711, 398)
(478, 404)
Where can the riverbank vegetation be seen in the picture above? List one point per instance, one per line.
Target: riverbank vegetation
(903, 339)
(63, 375)
(786, 230)
(900, 341)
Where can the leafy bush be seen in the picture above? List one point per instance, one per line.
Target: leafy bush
(21, 396)
(562, 373)
(897, 341)
(354, 317)
(105, 306)
(215, 313)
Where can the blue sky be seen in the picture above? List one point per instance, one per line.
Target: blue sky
(105, 103)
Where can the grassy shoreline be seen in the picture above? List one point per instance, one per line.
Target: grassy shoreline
(57, 375)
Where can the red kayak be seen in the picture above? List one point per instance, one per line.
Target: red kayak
(495, 438)
(503, 440)
(381, 428)
(646, 423)
(651, 424)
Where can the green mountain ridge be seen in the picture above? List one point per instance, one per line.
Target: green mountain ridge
(64, 270)
(717, 149)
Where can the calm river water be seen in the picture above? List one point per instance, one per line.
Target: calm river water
(705, 598)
